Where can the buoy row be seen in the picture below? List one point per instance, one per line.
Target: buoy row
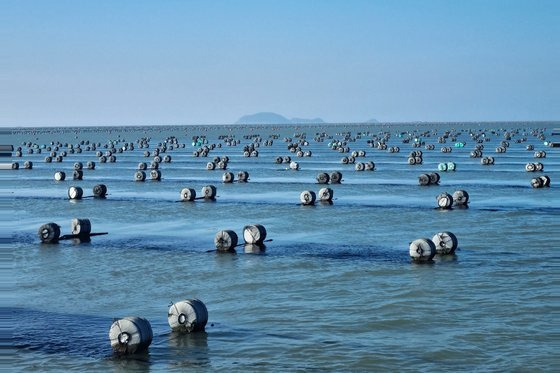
(207, 192)
(367, 166)
(449, 166)
(540, 154)
(429, 179)
(140, 175)
(76, 192)
(132, 334)
(487, 161)
(424, 249)
(308, 197)
(540, 182)
(459, 198)
(226, 240)
(532, 167)
(81, 229)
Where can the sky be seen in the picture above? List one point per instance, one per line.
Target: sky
(119, 62)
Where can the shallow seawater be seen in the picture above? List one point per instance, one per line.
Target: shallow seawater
(335, 289)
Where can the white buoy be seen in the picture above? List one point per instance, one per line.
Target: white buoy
(444, 200)
(326, 195)
(445, 242)
(228, 177)
(188, 194)
(225, 240)
(254, 234)
(139, 176)
(307, 197)
(422, 250)
(186, 316)
(155, 175)
(59, 176)
(130, 335)
(81, 227)
(75, 192)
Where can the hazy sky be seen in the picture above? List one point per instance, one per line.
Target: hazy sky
(181, 62)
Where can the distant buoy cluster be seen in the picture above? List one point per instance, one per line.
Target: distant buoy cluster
(415, 157)
(423, 250)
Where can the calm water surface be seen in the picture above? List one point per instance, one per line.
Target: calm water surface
(334, 290)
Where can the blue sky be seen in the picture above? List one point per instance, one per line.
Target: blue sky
(182, 62)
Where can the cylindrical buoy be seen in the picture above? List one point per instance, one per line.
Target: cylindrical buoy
(78, 166)
(434, 178)
(100, 191)
(323, 178)
(445, 242)
(228, 177)
(209, 192)
(242, 176)
(49, 233)
(210, 166)
(307, 197)
(139, 176)
(81, 227)
(326, 195)
(444, 200)
(359, 166)
(188, 194)
(461, 197)
(294, 166)
(225, 240)
(536, 182)
(75, 192)
(28, 165)
(91, 165)
(451, 166)
(545, 180)
(424, 179)
(422, 250)
(130, 335)
(189, 315)
(442, 167)
(142, 166)
(155, 175)
(254, 234)
(59, 176)
(336, 177)
(77, 174)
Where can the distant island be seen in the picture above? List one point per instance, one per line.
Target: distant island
(273, 118)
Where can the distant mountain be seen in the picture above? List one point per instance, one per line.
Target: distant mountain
(372, 121)
(273, 118)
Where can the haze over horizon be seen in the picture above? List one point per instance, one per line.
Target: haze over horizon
(196, 62)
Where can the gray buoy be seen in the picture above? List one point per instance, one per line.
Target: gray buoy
(545, 180)
(434, 178)
(254, 234)
(323, 178)
(188, 194)
(28, 165)
(536, 182)
(77, 174)
(422, 250)
(59, 176)
(228, 177)
(100, 191)
(75, 192)
(209, 192)
(186, 316)
(326, 195)
(91, 165)
(139, 176)
(444, 200)
(155, 175)
(307, 197)
(210, 166)
(225, 240)
(142, 166)
(130, 334)
(445, 242)
(336, 177)
(242, 176)
(424, 179)
(461, 198)
(81, 227)
(78, 166)
(49, 233)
